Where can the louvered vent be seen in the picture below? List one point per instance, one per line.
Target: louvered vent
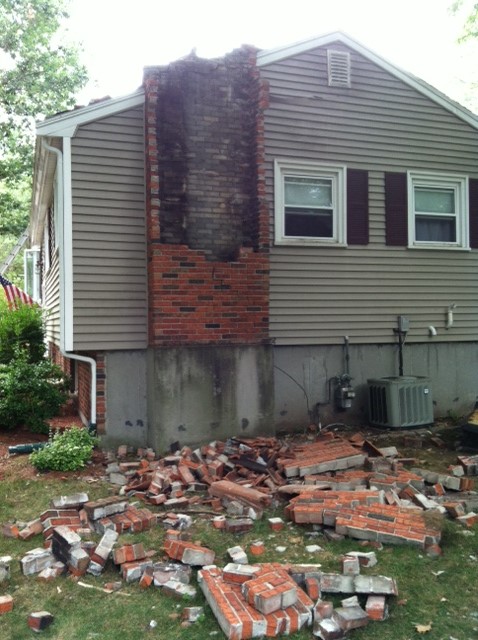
(338, 64)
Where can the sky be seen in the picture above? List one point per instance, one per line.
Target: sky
(120, 37)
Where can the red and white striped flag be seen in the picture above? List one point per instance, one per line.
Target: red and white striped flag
(15, 296)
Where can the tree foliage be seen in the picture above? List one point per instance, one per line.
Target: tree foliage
(40, 74)
(470, 27)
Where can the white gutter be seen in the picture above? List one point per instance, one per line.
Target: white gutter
(65, 215)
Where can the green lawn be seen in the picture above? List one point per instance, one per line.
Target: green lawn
(449, 600)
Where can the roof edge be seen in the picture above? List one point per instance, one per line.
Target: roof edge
(65, 124)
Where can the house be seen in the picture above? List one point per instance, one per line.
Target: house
(228, 249)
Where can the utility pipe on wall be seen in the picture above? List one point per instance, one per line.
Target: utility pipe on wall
(63, 351)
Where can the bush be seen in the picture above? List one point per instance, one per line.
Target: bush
(30, 393)
(66, 451)
(21, 328)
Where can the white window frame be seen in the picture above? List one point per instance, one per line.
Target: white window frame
(337, 174)
(32, 282)
(459, 185)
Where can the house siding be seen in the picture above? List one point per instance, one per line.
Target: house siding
(109, 246)
(51, 301)
(380, 124)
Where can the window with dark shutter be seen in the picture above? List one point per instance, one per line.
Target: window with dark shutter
(473, 208)
(396, 210)
(357, 206)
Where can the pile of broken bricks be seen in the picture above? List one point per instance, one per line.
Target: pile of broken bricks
(340, 486)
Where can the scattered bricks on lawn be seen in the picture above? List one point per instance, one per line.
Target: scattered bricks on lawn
(192, 614)
(189, 553)
(469, 464)
(276, 524)
(365, 558)
(147, 578)
(105, 507)
(375, 585)
(63, 541)
(133, 571)
(36, 560)
(75, 501)
(129, 553)
(238, 555)
(456, 470)
(239, 525)
(376, 608)
(102, 552)
(6, 604)
(257, 548)
(350, 565)
(328, 629)
(33, 528)
(178, 589)
(300, 573)
(5, 568)
(79, 561)
(454, 509)
(469, 519)
(349, 618)
(239, 573)
(322, 609)
(312, 587)
(162, 572)
(219, 522)
(10, 530)
(40, 620)
(251, 497)
(336, 583)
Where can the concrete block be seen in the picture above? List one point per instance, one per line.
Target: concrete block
(328, 629)
(5, 568)
(36, 560)
(349, 618)
(376, 585)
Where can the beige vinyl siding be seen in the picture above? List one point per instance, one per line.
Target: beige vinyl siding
(51, 301)
(320, 294)
(109, 234)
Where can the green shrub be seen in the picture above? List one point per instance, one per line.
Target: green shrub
(21, 328)
(30, 393)
(66, 451)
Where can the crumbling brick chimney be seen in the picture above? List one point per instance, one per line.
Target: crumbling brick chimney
(207, 222)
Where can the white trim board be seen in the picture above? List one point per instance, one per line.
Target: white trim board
(66, 124)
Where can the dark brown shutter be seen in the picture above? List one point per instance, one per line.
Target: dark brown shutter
(357, 206)
(396, 209)
(473, 205)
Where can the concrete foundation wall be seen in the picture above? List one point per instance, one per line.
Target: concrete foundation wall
(126, 406)
(452, 369)
(199, 394)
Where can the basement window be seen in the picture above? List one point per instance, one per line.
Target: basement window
(437, 211)
(338, 68)
(309, 203)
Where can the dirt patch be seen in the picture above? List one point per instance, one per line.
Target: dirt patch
(18, 466)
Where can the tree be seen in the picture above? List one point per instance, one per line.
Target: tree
(40, 74)
(470, 29)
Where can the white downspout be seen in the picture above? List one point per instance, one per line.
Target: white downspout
(63, 176)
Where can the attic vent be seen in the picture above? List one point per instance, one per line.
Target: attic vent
(338, 66)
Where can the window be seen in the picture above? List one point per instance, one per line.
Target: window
(437, 210)
(309, 203)
(32, 272)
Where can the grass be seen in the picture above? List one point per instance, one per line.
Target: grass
(443, 591)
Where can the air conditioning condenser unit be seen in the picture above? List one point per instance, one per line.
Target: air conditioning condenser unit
(400, 402)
